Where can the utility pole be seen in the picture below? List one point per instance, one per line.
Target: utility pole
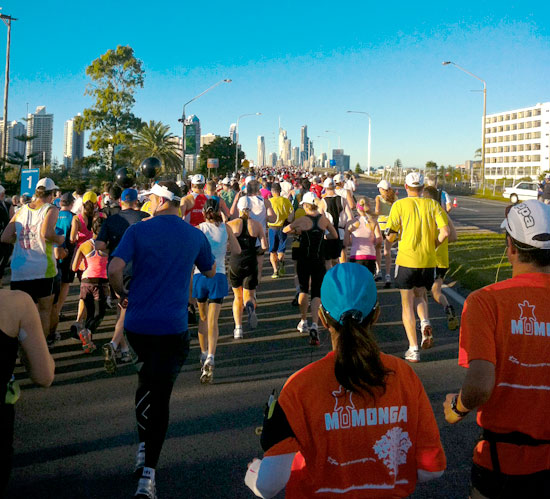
(7, 21)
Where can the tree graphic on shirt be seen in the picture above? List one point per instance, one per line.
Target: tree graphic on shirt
(392, 448)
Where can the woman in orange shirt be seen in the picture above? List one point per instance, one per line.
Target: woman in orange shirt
(354, 424)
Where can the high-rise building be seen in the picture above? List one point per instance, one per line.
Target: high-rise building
(15, 129)
(517, 143)
(233, 132)
(40, 125)
(192, 142)
(282, 138)
(287, 152)
(304, 144)
(273, 159)
(295, 156)
(73, 145)
(341, 159)
(208, 139)
(261, 150)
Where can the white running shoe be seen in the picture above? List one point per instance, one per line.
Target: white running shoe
(207, 373)
(238, 333)
(303, 327)
(387, 283)
(412, 355)
(427, 337)
(140, 460)
(146, 489)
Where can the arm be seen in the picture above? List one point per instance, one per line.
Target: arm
(328, 226)
(38, 361)
(377, 205)
(78, 257)
(261, 235)
(350, 227)
(116, 268)
(271, 215)
(232, 242)
(234, 211)
(349, 199)
(377, 232)
(75, 229)
(453, 237)
(268, 476)
(9, 235)
(443, 234)
(224, 209)
(48, 227)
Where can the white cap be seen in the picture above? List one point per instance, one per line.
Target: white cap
(529, 223)
(47, 183)
(226, 181)
(248, 179)
(180, 183)
(244, 203)
(197, 179)
(328, 183)
(163, 192)
(414, 179)
(338, 178)
(309, 197)
(384, 184)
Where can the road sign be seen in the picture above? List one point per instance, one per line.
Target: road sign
(29, 179)
(245, 163)
(212, 163)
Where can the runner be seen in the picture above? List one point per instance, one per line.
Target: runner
(282, 207)
(211, 193)
(33, 267)
(504, 346)
(417, 219)
(362, 236)
(110, 235)
(163, 251)
(243, 267)
(21, 327)
(442, 265)
(193, 203)
(382, 210)
(356, 423)
(227, 194)
(346, 194)
(211, 292)
(442, 197)
(310, 266)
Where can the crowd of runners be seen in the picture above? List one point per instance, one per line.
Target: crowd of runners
(107, 241)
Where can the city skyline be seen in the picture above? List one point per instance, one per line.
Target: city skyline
(420, 110)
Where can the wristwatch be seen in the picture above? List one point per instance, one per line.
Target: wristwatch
(455, 409)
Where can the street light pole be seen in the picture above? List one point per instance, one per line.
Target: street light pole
(446, 63)
(237, 138)
(370, 126)
(7, 21)
(182, 120)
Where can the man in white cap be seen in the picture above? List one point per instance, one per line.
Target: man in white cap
(227, 194)
(418, 220)
(505, 346)
(162, 251)
(344, 193)
(33, 266)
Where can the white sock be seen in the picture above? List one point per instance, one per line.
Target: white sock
(424, 323)
(115, 344)
(210, 358)
(148, 473)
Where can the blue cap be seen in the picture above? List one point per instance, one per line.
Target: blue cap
(348, 288)
(129, 195)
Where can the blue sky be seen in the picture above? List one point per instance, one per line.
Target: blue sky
(307, 62)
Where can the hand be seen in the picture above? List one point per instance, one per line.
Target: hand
(450, 416)
(122, 299)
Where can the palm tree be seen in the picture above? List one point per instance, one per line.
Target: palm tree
(155, 139)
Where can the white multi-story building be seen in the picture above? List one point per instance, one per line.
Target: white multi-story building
(73, 146)
(40, 126)
(15, 129)
(208, 139)
(273, 159)
(296, 156)
(517, 143)
(233, 132)
(261, 150)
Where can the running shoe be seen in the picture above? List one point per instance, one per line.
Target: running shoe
(452, 319)
(75, 329)
(303, 327)
(202, 358)
(427, 337)
(295, 300)
(191, 315)
(110, 302)
(387, 283)
(52, 339)
(378, 276)
(207, 373)
(125, 358)
(140, 460)
(314, 335)
(109, 358)
(252, 318)
(146, 489)
(282, 270)
(86, 339)
(275, 275)
(238, 333)
(412, 355)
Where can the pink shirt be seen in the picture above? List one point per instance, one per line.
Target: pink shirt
(363, 241)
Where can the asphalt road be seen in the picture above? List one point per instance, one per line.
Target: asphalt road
(77, 439)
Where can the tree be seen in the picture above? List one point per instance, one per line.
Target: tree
(116, 76)
(223, 149)
(358, 169)
(155, 139)
(477, 153)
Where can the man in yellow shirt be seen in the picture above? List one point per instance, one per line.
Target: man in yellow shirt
(282, 208)
(418, 220)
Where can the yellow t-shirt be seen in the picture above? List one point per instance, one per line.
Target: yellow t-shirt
(282, 208)
(147, 208)
(442, 251)
(418, 220)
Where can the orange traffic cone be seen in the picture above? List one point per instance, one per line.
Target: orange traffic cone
(455, 204)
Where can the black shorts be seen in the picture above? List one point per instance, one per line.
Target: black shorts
(99, 291)
(369, 264)
(56, 287)
(409, 278)
(314, 270)
(245, 275)
(36, 288)
(493, 485)
(333, 248)
(440, 272)
(67, 275)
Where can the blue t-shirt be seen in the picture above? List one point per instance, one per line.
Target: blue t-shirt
(63, 228)
(163, 251)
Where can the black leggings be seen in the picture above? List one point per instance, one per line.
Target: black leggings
(7, 415)
(162, 357)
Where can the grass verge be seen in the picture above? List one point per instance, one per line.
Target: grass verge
(477, 260)
(489, 195)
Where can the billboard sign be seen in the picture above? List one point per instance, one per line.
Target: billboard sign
(212, 163)
(190, 140)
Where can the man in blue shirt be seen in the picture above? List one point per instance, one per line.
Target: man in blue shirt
(163, 251)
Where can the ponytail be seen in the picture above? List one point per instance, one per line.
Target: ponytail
(358, 366)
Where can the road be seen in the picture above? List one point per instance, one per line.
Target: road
(77, 439)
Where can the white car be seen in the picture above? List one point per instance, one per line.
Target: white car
(522, 192)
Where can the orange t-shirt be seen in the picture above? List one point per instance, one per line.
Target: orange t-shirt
(508, 324)
(354, 445)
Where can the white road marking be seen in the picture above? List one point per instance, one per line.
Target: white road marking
(468, 209)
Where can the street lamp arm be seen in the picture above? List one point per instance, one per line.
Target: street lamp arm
(467, 72)
(227, 80)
